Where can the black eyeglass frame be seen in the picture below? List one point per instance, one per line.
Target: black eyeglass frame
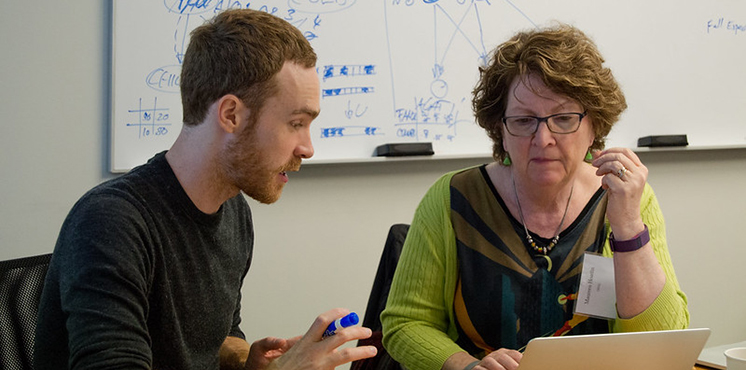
(546, 119)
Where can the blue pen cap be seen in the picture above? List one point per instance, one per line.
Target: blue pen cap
(349, 320)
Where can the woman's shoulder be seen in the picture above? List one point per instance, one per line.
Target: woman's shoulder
(439, 193)
(462, 173)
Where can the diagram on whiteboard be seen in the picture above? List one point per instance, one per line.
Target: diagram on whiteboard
(395, 71)
(453, 47)
(390, 71)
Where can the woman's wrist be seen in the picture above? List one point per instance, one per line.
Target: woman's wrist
(627, 230)
(632, 244)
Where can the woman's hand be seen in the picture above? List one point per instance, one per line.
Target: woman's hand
(624, 176)
(639, 277)
(502, 359)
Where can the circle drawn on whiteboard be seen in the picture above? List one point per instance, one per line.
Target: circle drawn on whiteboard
(439, 88)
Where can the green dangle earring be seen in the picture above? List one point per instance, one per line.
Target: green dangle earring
(506, 160)
(588, 156)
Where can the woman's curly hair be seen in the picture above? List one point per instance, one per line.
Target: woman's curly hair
(567, 61)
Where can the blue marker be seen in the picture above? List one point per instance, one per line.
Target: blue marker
(349, 320)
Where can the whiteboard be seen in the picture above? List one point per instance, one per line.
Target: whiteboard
(395, 71)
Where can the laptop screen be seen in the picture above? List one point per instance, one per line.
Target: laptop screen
(669, 350)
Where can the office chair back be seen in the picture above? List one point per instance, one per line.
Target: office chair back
(21, 283)
(377, 302)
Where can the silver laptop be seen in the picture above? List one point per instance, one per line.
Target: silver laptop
(650, 350)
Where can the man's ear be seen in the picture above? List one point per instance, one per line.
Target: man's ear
(231, 113)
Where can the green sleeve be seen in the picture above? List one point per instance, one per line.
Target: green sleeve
(418, 329)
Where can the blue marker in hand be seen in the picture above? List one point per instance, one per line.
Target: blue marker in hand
(349, 320)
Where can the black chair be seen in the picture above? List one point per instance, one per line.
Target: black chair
(377, 302)
(21, 283)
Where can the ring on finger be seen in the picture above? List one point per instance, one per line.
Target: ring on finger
(622, 171)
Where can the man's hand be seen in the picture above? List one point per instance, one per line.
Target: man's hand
(266, 350)
(310, 352)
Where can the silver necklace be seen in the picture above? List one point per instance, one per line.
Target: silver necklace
(546, 249)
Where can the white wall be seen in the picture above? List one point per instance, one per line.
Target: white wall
(318, 247)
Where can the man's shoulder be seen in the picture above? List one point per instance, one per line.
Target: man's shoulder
(137, 188)
(155, 171)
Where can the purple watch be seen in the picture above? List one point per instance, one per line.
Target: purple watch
(637, 242)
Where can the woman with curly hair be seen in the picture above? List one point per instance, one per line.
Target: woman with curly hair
(494, 253)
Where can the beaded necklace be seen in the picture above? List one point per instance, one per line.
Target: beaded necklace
(546, 249)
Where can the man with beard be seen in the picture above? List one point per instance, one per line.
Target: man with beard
(148, 267)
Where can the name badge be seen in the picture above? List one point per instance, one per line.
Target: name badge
(597, 293)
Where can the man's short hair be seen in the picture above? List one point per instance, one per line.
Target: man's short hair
(238, 52)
